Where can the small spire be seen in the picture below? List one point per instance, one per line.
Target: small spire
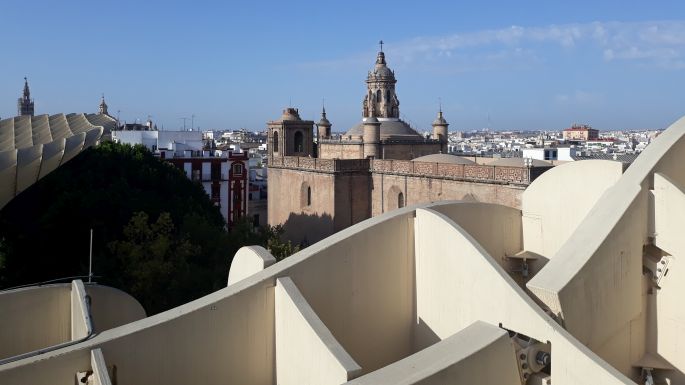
(324, 122)
(27, 93)
(380, 58)
(440, 120)
(103, 105)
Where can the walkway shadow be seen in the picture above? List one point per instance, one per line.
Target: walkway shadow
(305, 229)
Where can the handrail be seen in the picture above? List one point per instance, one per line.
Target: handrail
(56, 280)
(32, 353)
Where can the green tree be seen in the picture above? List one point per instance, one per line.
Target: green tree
(157, 235)
(279, 248)
(156, 263)
(46, 228)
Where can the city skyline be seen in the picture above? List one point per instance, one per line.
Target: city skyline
(527, 66)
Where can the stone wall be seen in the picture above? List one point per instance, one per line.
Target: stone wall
(341, 150)
(420, 189)
(466, 172)
(331, 149)
(337, 199)
(352, 199)
(408, 151)
(322, 165)
(347, 191)
(311, 222)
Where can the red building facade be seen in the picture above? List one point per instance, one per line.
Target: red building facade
(224, 178)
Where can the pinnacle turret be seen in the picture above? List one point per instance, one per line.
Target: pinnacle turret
(25, 103)
(103, 106)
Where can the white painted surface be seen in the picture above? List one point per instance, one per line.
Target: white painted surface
(81, 325)
(467, 357)
(249, 260)
(306, 351)
(558, 200)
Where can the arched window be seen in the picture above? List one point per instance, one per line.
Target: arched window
(275, 141)
(309, 196)
(400, 200)
(387, 97)
(299, 141)
(379, 96)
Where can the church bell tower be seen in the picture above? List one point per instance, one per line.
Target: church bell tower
(25, 103)
(380, 100)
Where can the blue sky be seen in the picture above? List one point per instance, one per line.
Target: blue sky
(509, 65)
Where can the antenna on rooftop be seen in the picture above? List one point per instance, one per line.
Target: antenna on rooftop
(90, 259)
(184, 122)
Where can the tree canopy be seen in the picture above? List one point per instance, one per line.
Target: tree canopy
(157, 235)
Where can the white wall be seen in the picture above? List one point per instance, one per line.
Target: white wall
(41, 316)
(81, 325)
(669, 222)
(146, 138)
(247, 261)
(306, 351)
(558, 200)
(469, 356)
(33, 318)
(595, 282)
(458, 283)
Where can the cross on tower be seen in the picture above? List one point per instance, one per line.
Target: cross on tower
(381, 43)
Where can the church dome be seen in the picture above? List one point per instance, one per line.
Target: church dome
(390, 129)
(444, 158)
(440, 120)
(518, 162)
(382, 72)
(324, 122)
(381, 69)
(290, 114)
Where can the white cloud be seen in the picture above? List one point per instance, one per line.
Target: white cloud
(659, 40)
(579, 97)
(657, 43)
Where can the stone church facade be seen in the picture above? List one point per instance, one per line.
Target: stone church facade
(380, 164)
